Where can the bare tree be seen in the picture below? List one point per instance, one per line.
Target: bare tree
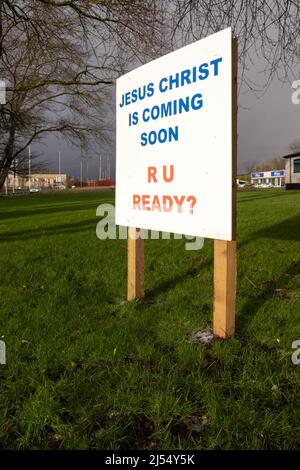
(275, 163)
(250, 165)
(59, 58)
(268, 29)
(295, 145)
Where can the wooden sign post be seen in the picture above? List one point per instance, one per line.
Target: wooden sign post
(225, 251)
(135, 277)
(224, 288)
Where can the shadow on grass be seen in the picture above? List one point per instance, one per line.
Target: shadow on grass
(258, 298)
(23, 212)
(288, 229)
(258, 196)
(22, 235)
(171, 283)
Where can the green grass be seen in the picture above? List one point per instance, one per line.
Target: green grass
(86, 370)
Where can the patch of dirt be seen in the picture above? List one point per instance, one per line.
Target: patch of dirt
(191, 427)
(202, 337)
(55, 375)
(140, 434)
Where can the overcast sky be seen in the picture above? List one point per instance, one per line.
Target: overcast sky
(269, 124)
(266, 127)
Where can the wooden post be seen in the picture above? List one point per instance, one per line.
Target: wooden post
(225, 287)
(135, 289)
(225, 251)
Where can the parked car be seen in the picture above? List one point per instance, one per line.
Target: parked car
(36, 189)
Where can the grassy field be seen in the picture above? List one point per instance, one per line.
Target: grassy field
(86, 370)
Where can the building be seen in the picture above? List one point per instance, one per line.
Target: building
(292, 170)
(48, 180)
(268, 179)
(41, 180)
(14, 181)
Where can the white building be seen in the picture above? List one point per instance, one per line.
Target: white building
(292, 170)
(42, 180)
(268, 179)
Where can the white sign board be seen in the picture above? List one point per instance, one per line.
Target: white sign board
(174, 141)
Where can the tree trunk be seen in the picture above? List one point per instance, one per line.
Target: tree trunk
(8, 157)
(3, 175)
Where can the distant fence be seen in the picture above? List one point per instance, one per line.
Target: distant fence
(95, 183)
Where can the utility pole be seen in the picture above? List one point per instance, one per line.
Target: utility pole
(81, 173)
(14, 179)
(108, 167)
(59, 166)
(100, 164)
(29, 167)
